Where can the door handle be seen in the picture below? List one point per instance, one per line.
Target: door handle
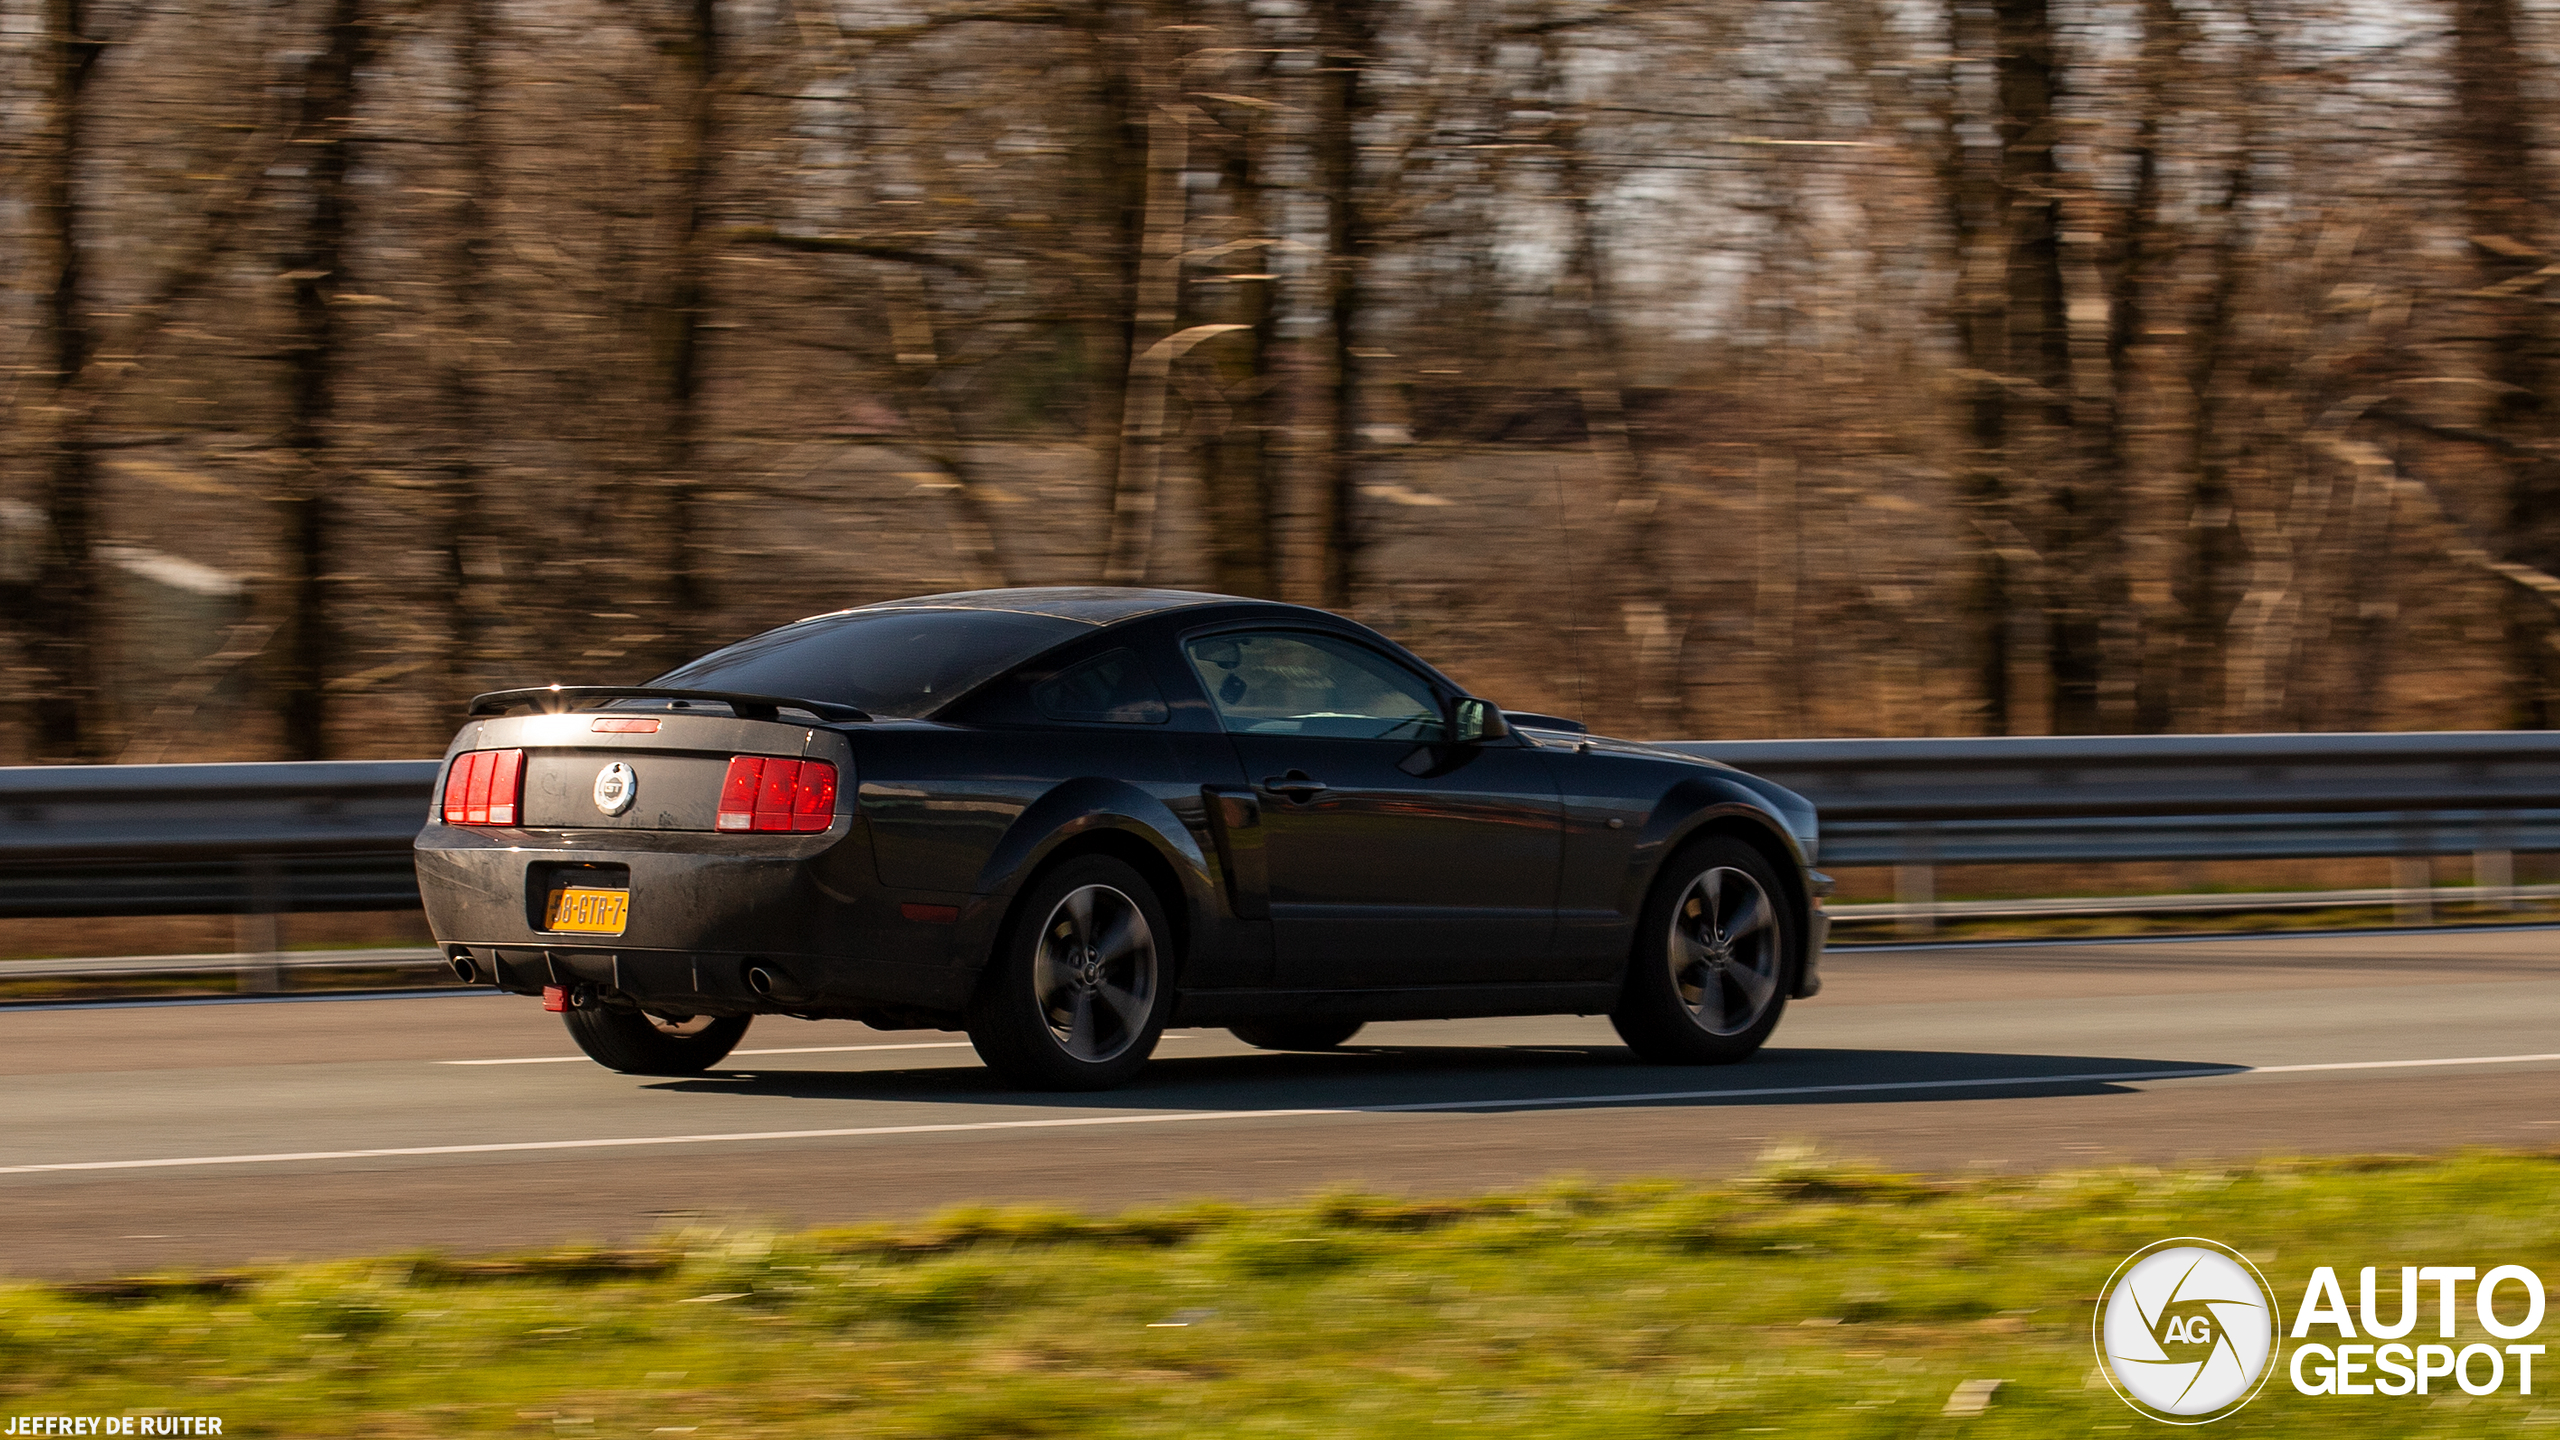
(1297, 786)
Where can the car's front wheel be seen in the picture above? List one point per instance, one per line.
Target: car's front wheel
(1707, 980)
(1078, 990)
(638, 1043)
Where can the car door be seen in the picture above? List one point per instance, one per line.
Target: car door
(1394, 858)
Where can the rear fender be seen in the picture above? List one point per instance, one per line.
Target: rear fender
(1071, 812)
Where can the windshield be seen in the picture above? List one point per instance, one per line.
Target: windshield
(898, 664)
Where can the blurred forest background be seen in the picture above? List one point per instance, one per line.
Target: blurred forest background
(1720, 369)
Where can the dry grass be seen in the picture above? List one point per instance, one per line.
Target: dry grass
(1813, 1298)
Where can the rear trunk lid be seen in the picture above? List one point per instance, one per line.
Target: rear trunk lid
(672, 773)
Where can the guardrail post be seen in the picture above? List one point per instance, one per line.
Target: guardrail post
(1915, 885)
(2413, 876)
(259, 933)
(2493, 874)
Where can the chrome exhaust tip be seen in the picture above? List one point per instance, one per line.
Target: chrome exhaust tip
(466, 969)
(774, 985)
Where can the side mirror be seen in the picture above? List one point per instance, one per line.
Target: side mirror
(1473, 721)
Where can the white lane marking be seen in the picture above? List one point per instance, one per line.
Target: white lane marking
(2392, 1064)
(1179, 1116)
(2217, 937)
(793, 1050)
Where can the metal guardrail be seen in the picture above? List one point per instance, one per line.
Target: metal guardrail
(264, 840)
(82, 840)
(2166, 797)
(1919, 804)
(254, 841)
(410, 957)
(2414, 906)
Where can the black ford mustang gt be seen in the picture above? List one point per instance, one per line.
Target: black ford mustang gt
(1061, 819)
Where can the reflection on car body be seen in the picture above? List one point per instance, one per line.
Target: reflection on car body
(1061, 819)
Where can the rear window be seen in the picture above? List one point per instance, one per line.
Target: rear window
(899, 664)
(1112, 688)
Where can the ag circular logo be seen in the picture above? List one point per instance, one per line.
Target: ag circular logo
(2186, 1331)
(617, 786)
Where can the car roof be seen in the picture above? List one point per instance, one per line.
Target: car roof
(1092, 604)
(1104, 606)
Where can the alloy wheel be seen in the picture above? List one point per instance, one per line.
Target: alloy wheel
(1095, 975)
(1723, 950)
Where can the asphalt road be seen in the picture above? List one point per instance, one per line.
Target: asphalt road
(138, 1137)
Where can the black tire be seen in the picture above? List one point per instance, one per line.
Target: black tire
(636, 1043)
(1081, 983)
(1707, 978)
(1308, 1034)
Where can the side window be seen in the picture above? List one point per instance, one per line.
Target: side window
(1112, 687)
(1306, 684)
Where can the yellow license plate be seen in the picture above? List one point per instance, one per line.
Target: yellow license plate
(587, 912)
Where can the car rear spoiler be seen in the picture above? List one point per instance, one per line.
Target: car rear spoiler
(554, 699)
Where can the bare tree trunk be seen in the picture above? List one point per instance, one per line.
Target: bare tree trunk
(1121, 36)
(1998, 593)
(2076, 530)
(317, 270)
(1156, 314)
(677, 568)
(2503, 197)
(2132, 692)
(1346, 35)
(59, 612)
(465, 531)
(2208, 571)
(2012, 326)
(1238, 458)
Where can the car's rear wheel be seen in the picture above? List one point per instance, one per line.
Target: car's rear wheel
(1295, 1034)
(1077, 993)
(638, 1043)
(1707, 980)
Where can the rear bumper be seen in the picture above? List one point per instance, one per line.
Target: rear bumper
(831, 938)
(712, 982)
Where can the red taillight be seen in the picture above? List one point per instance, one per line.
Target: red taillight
(768, 793)
(738, 793)
(773, 800)
(475, 794)
(813, 805)
(457, 783)
(506, 786)
(486, 787)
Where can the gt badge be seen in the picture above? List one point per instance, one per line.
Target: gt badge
(617, 786)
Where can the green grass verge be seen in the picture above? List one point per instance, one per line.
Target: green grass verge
(1812, 1298)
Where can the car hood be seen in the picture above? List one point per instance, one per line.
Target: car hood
(1794, 810)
